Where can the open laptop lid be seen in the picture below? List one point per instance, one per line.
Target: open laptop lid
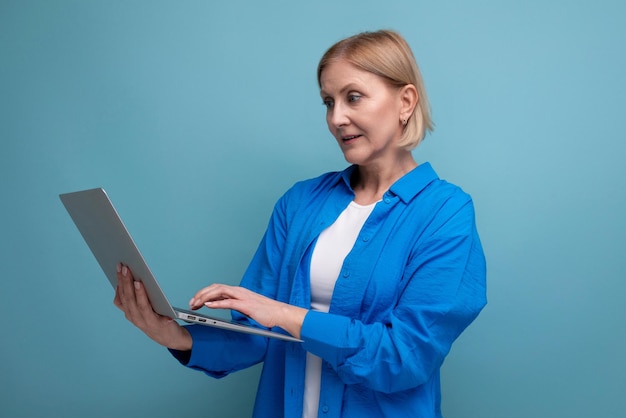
(110, 242)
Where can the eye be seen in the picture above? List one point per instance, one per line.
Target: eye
(328, 103)
(353, 97)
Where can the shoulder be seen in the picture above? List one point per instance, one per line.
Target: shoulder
(439, 202)
(447, 198)
(444, 191)
(424, 187)
(314, 187)
(451, 210)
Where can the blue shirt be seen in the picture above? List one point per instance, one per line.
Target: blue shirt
(414, 280)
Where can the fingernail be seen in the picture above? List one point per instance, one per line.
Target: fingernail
(124, 271)
(192, 302)
(137, 285)
(119, 268)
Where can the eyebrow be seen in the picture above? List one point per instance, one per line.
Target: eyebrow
(347, 87)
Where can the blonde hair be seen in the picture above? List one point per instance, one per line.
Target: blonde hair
(386, 54)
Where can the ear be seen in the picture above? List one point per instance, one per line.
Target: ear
(408, 101)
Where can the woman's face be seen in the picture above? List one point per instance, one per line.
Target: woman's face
(363, 114)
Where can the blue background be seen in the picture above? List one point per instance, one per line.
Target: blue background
(197, 115)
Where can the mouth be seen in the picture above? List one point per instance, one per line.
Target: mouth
(349, 138)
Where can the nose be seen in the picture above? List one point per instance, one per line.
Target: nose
(337, 116)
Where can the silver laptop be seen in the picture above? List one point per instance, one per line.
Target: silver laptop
(111, 244)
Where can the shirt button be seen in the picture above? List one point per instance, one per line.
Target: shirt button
(365, 239)
(325, 409)
(387, 200)
(346, 273)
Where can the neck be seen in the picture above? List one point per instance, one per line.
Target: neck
(371, 182)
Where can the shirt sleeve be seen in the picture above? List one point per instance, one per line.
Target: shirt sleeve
(219, 352)
(444, 292)
(263, 272)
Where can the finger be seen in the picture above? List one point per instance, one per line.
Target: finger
(116, 300)
(120, 279)
(126, 292)
(232, 304)
(119, 290)
(234, 297)
(143, 302)
(218, 292)
(205, 294)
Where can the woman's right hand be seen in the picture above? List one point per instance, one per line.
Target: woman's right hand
(132, 299)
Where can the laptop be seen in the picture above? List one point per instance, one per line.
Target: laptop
(110, 242)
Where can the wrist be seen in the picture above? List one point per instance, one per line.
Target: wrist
(293, 318)
(182, 341)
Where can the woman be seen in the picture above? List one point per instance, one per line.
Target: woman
(377, 268)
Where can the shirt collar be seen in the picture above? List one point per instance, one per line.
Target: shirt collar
(407, 186)
(413, 182)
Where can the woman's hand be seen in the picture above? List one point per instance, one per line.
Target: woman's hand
(263, 310)
(132, 299)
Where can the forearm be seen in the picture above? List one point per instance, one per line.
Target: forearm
(181, 341)
(380, 357)
(291, 319)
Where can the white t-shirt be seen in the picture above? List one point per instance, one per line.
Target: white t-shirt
(332, 247)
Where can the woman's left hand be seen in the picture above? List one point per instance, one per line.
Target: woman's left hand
(265, 311)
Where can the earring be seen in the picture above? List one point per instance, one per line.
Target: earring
(403, 122)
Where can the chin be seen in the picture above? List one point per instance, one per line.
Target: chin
(352, 159)
(355, 158)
